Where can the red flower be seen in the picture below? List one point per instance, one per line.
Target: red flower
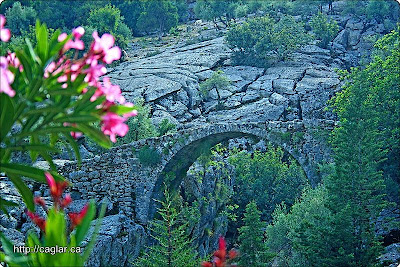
(56, 188)
(40, 222)
(232, 254)
(219, 259)
(39, 201)
(76, 218)
(66, 201)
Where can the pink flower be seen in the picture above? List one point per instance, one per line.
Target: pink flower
(78, 32)
(78, 43)
(5, 34)
(113, 125)
(14, 61)
(6, 78)
(103, 46)
(56, 188)
(62, 37)
(112, 92)
(66, 201)
(94, 71)
(75, 135)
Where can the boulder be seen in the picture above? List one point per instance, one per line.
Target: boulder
(119, 240)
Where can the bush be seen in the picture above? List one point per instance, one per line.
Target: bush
(261, 39)
(44, 100)
(355, 7)
(324, 30)
(301, 237)
(149, 156)
(141, 125)
(165, 127)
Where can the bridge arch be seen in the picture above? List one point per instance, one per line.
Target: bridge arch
(185, 154)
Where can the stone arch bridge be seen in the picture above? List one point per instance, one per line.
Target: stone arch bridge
(130, 186)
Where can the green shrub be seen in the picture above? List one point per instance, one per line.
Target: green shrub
(325, 30)
(165, 127)
(140, 125)
(149, 156)
(355, 7)
(261, 39)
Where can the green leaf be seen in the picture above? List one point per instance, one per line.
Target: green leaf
(95, 134)
(6, 203)
(34, 148)
(42, 43)
(45, 110)
(82, 229)
(32, 52)
(120, 110)
(25, 192)
(74, 145)
(55, 228)
(9, 256)
(25, 63)
(76, 118)
(6, 116)
(28, 171)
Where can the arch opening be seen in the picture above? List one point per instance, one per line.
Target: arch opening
(177, 167)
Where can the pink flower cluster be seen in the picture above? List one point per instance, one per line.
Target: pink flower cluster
(92, 65)
(102, 50)
(6, 76)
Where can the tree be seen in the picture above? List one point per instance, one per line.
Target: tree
(306, 7)
(259, 40)
(217, 81)
(302, 236)
(158, 16)
(265, 179)
(172, 245)
(19, 18)
(216, 9)
(251, 235)
(382, 9)
(324, 30)
(108, 19)
(369, 120)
